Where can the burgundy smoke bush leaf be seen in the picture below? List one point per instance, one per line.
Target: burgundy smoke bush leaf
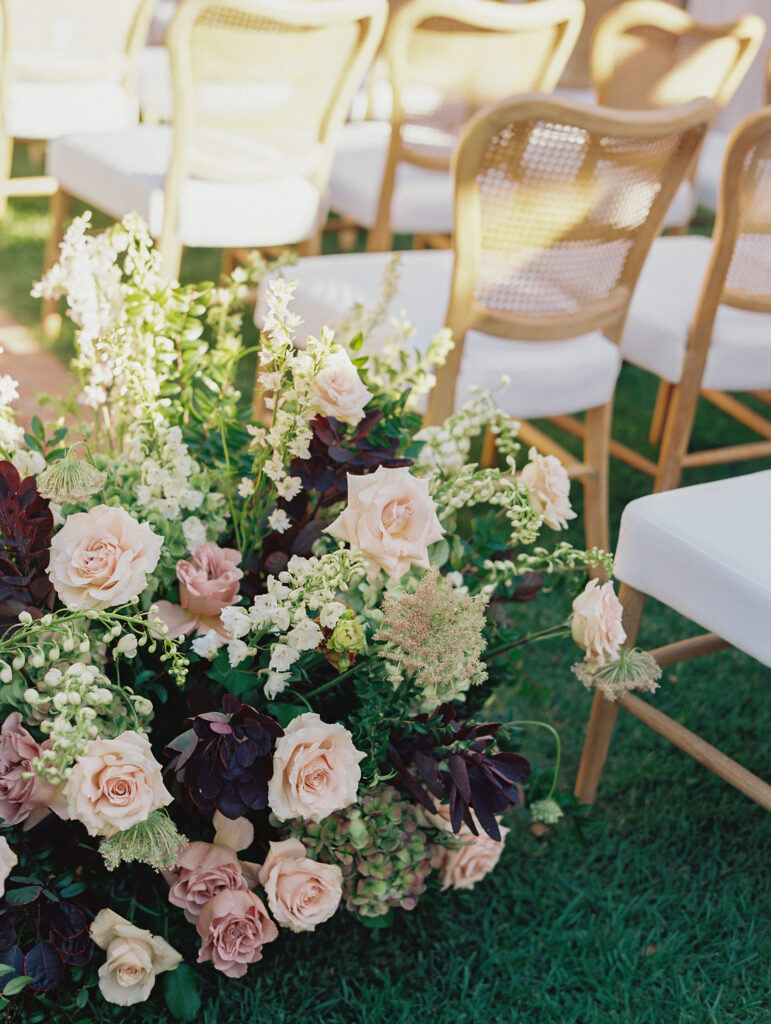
(26, 525)
(44, 965)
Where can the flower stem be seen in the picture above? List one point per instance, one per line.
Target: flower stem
(331, 683)
(560, 630)
(556, 735)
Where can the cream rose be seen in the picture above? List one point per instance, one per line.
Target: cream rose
(549, 485)
(301, 892)
(101, 558)
(8, 861)
(463, 867)
(134, 957)
(115, 784)
(597, 625)
(338, 391)
(391, 518)
(315, 770)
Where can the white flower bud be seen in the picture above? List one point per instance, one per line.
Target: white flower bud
(25, 618)
(18, 662)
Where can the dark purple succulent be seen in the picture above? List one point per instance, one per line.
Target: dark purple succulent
(435, 756)
(224, 761)
(26, 525)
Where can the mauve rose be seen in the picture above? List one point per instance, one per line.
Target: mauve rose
(315, 770)
(234, 926)
(8, 861)
(102, 557)
(134, 957)
(208, 583)
(338, 391)
(463, 867)
(24, 799)
(301, 892)
(391, 518)
(549, 485)
(597, 625)
(203, 871)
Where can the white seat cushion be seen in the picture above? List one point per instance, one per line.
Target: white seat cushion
(49, 109)
(422, 201)
(660, 316)
(547, 378)
(119, 172)
(706, 552)
(710, 168)
(154, 84)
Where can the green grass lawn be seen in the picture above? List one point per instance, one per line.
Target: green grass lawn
(655, 911)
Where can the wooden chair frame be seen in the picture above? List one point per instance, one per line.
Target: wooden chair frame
(45, 185)
(488, 15)
(604, 714)
(607, 315)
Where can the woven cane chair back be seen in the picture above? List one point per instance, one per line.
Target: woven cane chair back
(449, 58)
(261, 86)
(556, 208)
(650, 54)
(73, 39)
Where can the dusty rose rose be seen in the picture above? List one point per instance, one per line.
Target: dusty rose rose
(597, 625)
(115, 784)
(315, 770)
(101, 558)
(8, 861)
(234, 926)
(208, 583)
(549, 486)
(24, 799)
(134, 957)
(338, 390)
(390, 518)
(301, 892)
(463, 867)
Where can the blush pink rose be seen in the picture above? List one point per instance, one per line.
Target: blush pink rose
(548, 482)
(337, 389)
(203, 871)
(315, 770)
(24, 799)
(8, 861)
(463, 867)
(102, 558)
(208, 583)
(301, 892)
(596, 627)
(234, 926)
(115, 784)
(391, 518)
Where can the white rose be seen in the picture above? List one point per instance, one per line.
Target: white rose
(115, 784)
(597, 625)
(8, 861)
(101, 558)
(549, 485)
(391, 518)
(338, 391)
(134, 957)
(315, 770)
(301, 892)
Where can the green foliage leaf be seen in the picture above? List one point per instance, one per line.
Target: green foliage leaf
(15, 985)
(181, 990)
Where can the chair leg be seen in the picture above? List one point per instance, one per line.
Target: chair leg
(379, 238)
(676, 437)
(311, 247)
(489, 457)
(229, 262)
(51, 321)
(604, 712)
(6, 159)
(171, 257)
(660, 410)
(596, 489)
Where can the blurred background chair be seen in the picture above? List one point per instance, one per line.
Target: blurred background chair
(446, 59)
(701, 316)
(156, 89)
(66, 67)
(704, 551)
(556, 208)
(258, 101)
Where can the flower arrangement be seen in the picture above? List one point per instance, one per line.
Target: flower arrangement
(243, 665)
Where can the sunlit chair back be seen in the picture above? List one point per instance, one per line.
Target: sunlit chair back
(556, 207)
(649, 53)
(261, 86)
(576, 74)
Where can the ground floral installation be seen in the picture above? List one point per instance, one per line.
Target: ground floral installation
(244, 665)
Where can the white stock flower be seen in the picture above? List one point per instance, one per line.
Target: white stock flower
(206, 646)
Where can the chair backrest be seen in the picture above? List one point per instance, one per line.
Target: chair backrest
(262, 86)
(449, 58)
(73, 40)
(649, 53)
(556, 206)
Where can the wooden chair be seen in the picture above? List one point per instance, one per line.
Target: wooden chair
(649, 54)
(556, 207)
(261, 88)
(66, 67)
(446, 60)
(705, 552)
(701, 317)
